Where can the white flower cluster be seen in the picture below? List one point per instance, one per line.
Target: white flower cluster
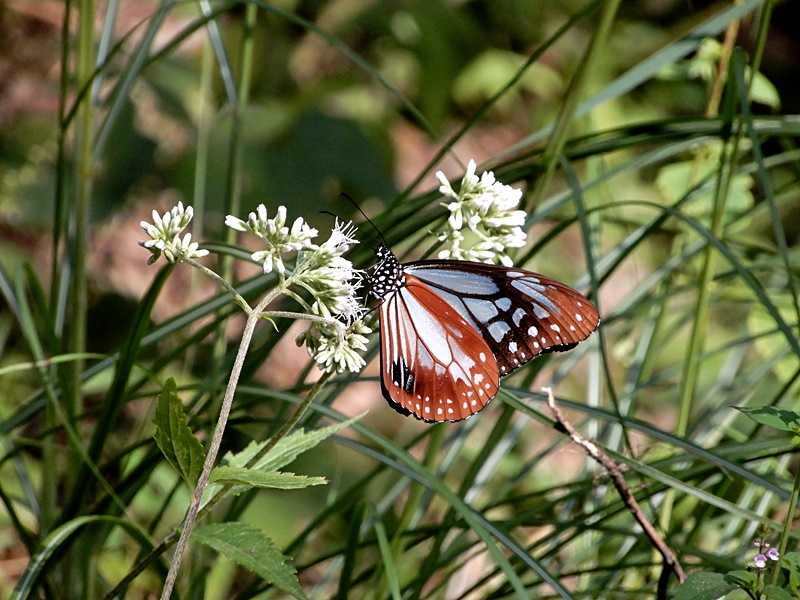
(165, 235)
(337, 349)
(331, 278)
(488, 209)
(325, 274)
(280, 239)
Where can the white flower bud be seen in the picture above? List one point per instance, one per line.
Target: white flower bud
(164, 233)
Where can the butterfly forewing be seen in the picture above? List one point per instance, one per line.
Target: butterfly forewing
(519, 314)
(435, 364)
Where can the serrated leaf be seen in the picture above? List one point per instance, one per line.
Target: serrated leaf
(271, 479)
(182, 450)
(704, 586)
(250, 548)
(777, 418)
(287, 449)
(283, 453)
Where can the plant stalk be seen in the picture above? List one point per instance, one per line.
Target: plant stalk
(216, 441)
(83, 195)
(170, 539)
(233, 186)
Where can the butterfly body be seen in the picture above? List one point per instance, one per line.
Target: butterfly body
(450, 329)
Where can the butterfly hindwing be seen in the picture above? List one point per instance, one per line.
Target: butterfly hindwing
(434, 363)
(519, 314)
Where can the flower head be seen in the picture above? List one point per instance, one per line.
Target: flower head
(488, 209)
(765, 553)
(330, 278)
(165, 236)
(280, 239)
(337, 343)
(335, 347)
(773, 554)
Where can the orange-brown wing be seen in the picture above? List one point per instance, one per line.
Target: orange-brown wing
(520, 314)
(434, 364)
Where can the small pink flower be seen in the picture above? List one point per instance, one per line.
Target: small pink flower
(760, 561)
(773, 554)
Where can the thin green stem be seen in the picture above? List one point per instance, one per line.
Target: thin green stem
(564, 119)
(787, 524)
(49, 484)
(204, 121)
(58, 208)
(233, 187)
(226, 285)
(287, 314)
(83, 195)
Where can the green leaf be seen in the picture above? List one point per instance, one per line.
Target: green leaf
(173, 436)
(773, 592)
(791, 562)
(704, 586)
(250, 548)
(287, 449)
(492, 69)
(777, 418)
(744, 579)
(764, 92)
(271, 479)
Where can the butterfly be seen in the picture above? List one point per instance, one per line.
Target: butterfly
(450, 329)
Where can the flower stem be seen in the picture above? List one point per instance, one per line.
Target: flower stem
(216, 440)
(286, 314)
(224, 283)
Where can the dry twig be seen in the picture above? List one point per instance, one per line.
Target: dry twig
(615, 472)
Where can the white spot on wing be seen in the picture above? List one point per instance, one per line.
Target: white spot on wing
(517, 317)
(498, 330)
(555, 327)
(483, 310)
(514, 274)
(512, 347)
(532, 331)
(578, 318)
(482, 356)
(503, 303)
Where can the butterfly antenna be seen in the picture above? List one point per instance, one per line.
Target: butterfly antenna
(358, 208)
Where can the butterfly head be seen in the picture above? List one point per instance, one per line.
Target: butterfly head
(387, 276)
